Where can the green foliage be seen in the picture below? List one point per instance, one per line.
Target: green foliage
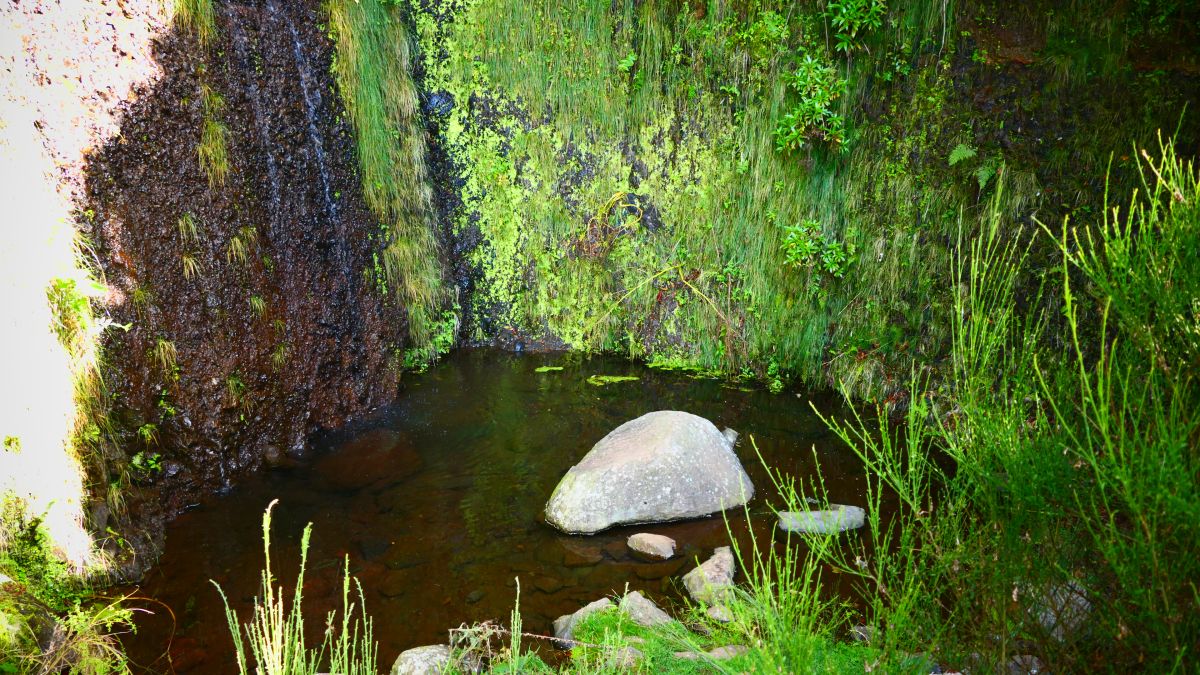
(852, 19)
(148, 432)
(273, 641)
(961, 152)
(813, 118)
(442, 337)
(602, 380)
(192, 267)
(373, 69)
(1041, 478)
(626, 64)
(804, 245)
(213, 148)
(165, 355)
(28, 557)
(547, 369)
(146, 463)
(189, 229)
(240, 244)
(197, 16)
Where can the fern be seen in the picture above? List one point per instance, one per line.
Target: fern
(961, 153)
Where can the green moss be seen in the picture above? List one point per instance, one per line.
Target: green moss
(373, 67)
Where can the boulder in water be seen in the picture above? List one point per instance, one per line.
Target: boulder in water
(663, 466)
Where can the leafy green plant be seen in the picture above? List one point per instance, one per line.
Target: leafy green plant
(627, 62)
(813, 117)
(148, 432)
(804, 245)
(235, 386)
(147, 462)
(961, 152)
(852, 19)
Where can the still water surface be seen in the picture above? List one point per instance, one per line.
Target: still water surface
(437, 501)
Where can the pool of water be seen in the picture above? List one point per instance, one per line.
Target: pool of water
(438, 499)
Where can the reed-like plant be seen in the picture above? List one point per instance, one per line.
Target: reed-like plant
(272, 641)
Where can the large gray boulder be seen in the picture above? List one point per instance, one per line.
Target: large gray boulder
(662, 466)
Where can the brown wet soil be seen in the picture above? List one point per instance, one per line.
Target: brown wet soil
(437, 501)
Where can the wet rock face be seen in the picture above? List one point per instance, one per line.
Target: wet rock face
(253, 313)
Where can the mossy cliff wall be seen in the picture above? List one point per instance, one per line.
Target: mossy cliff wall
(612, 175)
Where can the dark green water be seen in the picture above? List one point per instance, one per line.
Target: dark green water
(437, 500)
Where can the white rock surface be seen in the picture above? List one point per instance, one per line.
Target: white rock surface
(663, 466)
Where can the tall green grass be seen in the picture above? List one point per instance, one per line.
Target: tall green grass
(272, 642)
(1048, 502)
(373, 67)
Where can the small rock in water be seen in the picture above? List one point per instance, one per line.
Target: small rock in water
(839, 518)
(713, 579)
(1063, 609)
(643, 611)
(719, 613)
(427, 660)
(651, 546)
(564, 626)
(474, 596)
(662, 466)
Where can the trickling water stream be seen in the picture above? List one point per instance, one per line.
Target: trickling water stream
(437, 500)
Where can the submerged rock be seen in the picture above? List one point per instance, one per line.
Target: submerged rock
(651, 546)
(662, 466)
(564, 626)
(643, 611)
(427, 660)
(712, 580)
(839, 518)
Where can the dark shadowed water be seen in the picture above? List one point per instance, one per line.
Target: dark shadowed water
(437, 500)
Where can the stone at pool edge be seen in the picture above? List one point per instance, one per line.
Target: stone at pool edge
(651, 547)
(643, 611)
(712, 581)
(564, 626)
(838, 518)
(663, 466)
(427, 660)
